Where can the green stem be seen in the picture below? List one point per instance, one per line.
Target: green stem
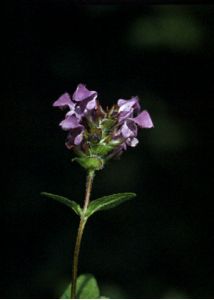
(81, 227)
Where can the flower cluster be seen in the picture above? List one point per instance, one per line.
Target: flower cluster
(95, 132)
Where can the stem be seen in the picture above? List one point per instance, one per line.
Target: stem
(82, 223)
(88, 190)
(76, 257)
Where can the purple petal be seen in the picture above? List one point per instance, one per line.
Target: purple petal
(126, 132)
(91, 104)
(78, 139)
(124, 115)
(129, 129)
(73, 113)
(127, 105)
(143, 120)
(83, 93)
(63, 101)
(74, 137)
(70, 122)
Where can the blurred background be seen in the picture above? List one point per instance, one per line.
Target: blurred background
(159, 244)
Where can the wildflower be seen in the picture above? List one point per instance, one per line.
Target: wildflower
(94, 133)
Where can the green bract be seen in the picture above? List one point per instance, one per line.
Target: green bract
(90, 163)
(103, 149)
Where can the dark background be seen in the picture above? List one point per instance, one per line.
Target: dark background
(158, 245)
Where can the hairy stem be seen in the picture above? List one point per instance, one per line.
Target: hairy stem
(81, 227)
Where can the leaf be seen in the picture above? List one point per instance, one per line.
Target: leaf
(72, 204)
(87, 288)
(67, 293)
(108, 202)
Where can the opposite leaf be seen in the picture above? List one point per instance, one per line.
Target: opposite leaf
(72, 204)
(108, 202)
(87, 288)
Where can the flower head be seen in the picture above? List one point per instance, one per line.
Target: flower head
(96, 133)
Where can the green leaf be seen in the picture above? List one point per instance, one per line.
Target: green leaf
(87, 288)
(72, 204)
(108, 202)
(67, 293)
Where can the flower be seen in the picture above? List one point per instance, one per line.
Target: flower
(128, 107)
(75, 137)
(130, 119)
(85, 100)
(96, 133)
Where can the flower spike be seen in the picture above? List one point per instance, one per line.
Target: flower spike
(97, 134)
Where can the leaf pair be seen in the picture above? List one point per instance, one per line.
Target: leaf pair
(103, 203)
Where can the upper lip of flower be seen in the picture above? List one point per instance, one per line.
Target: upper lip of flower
(130, 104)
(82, 96)
(128, 108)
(82, 93)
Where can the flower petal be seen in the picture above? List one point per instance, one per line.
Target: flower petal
(70, 122)
(91, 104)
(129, 129)
(78, 139)
(74, 137)
(124, 115)
(144, 120)
(83, 93)
(63, 101)
(128, 105)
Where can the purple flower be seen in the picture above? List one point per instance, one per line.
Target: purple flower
(129, 117)
(81, 105)
(74, 137)
(63, 102)
(82, 102)
(129, 125)
(85, 100)
(129, 129)
(128, 107)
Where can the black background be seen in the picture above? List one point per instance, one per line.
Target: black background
(158, 245)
